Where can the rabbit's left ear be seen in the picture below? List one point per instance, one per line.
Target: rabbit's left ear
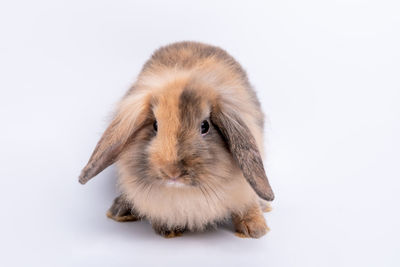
(244, 150)
(130, 117)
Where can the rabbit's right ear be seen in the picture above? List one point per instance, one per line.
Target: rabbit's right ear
(130, 116)
(242, 145)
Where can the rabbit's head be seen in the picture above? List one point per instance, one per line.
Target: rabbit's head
(183, 134)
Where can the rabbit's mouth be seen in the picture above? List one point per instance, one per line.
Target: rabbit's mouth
(174, 182)
(181, 180)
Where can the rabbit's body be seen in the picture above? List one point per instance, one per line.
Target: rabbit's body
(187, 139)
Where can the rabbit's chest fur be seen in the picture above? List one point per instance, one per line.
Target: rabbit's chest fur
(188, 206)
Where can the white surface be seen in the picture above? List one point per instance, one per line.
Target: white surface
(327, 73)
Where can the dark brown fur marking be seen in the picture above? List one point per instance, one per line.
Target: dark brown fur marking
(189, 107)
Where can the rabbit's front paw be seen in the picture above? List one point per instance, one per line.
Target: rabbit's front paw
(121, 211)
(251, 224)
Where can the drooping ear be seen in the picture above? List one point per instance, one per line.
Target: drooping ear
(130, 116)
(244, 150)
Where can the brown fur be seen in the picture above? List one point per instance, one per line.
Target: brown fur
(177, 177)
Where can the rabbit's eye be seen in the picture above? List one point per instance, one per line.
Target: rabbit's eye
(155, 126)
(205, 126)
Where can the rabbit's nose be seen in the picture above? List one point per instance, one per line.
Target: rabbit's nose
(172, 172)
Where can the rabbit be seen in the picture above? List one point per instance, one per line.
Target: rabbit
(187, 140)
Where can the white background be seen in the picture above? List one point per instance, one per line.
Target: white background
(327, 74)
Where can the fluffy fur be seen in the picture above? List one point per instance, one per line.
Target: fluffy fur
(171, 173)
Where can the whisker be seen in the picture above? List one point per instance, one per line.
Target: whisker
(215, 193)
(205, 189)
(208, 203)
